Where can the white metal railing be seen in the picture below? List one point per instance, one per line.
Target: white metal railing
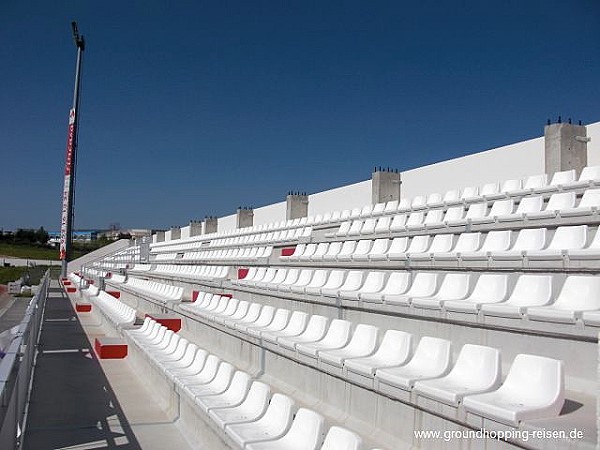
(16, 369)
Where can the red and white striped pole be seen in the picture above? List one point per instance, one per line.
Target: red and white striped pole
(66, 224)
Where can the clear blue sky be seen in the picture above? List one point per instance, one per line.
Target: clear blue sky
(194, 108)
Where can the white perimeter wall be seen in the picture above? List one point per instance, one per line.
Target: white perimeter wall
(503, 163)
(517, 160)
(270, 213)
(345, 197)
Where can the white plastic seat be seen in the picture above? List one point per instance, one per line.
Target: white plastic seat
(558, 181)
(391, 207)
(397, 247)
(454, 286)
(295, 326)
(247, 316)
(396, 284)
(298, 250)
(315, 331)
(470, 194)
(262, 320)
(345, 253)
(489, 288)
(362, 343)
(466, 242)
(477, 369)
(591, 252)
(441, 243)
(321, 249)
(303, 279)
(343, 229)
(368, 226)
(454, 214)
(495, 241)
(564, 240)
(362, 248)
(534, 183)
(424, 284)
(232, 396)
(337, 336)
(418, 202)
(529, 291)
(418, 244)
(556, 203)
(253, 406)
(334, 281)
(378, 209)
(355, 228)
(339, 438)
(202, 374)
(333, 250)
(433, 219)
(305, 433)
(290, 278)
(352, 282)
(383, 225)
(373, 282)
(217, 385)
(398, 223)
(491, 191)
(588, 205)
(590, 176)
(579, 293)
(277, 323)
(317, 281)
(272, 425)
(533, 389)
(431, 359)
(378, 248)
(451, 197)
(528, 239)
(526, 206)
(394, 350)
(499, 208)
(309, 251)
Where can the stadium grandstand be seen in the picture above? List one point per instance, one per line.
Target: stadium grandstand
(455, 305)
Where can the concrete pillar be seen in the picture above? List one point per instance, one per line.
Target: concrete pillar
(244, 217)
(211, 225)
(175, 233)
(144, 251)
(565, 147)
(160, 236)
(297, 205)
(195, 228)
(385, 185)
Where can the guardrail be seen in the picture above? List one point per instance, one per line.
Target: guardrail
(16, 370)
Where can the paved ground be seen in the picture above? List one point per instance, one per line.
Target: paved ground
(80, 402)
(12, 310)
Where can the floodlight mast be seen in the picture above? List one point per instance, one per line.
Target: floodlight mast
(66, 227)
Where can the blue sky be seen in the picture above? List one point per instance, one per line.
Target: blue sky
(195, 108)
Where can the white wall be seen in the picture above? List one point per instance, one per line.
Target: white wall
(511, 161)
(517, 160)
(226, 223)
(270, 213)
(593, 131)
(345, 197)
(185, 232)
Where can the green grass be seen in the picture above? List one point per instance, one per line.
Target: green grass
(8, 274)
(32, 251)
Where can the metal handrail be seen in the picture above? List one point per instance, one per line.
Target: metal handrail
(16, 369)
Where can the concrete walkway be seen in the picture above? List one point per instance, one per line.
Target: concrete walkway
(80, 402)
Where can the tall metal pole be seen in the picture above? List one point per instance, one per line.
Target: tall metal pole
(66, 227)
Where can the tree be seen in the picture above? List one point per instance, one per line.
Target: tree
(42, 236)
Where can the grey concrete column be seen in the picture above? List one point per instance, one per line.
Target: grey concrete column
(244, 217)
(144, 251)
(175, 233)
(195, 228)
(211, 225)
(160, 236)
(385, 185)
(296, 205)
(565, 147)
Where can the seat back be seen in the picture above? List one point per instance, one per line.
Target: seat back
(307, 428)
(419, 244)
(424, 284)
(337, 334)
(579, 293)
(590, 198)
(573, 237)
(478, 367)
(397, 283)
(468, 242)
(562, 200)
(339, 438)
(441, 243)
(398, 245)
(431, 354)
(502, 207)
(530, 239)
(497, 241)
(564, 177)
(536, 181)
(395, 346)
(490, 287)
(531, 290)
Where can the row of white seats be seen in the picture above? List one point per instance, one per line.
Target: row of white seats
(560, 205)
(160, 291)
(200, 272)
(230, 254)
(564, 244)
(243, 408)
(589, 177)
(391, 366)
(117, 312)
(285, 236)
(532, 296)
